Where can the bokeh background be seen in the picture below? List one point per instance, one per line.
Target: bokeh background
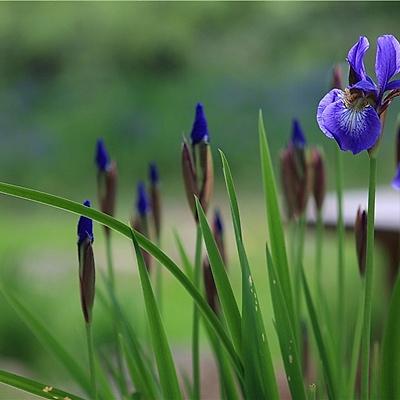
(132, 73)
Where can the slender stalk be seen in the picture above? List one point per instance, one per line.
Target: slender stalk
(318, 260)
(341, 329)
(369, 274)
(92, 367)
(118, 349)
(159, 281)
(196, 320)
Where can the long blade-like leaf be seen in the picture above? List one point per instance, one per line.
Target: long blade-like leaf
(260, 381)
(34, 387)
(224, 288)
(146, 244)
(162, 351)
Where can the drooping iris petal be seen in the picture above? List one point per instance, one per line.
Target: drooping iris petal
(367, 85)
(396, 179)
(387, 63)
(355, 58)
(393, 85)
(200, 127)
(329, 98)
(298, 139)
(353, 129)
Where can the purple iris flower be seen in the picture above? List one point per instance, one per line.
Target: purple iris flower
(85, 227)
(298, 139)
(352, 116)
(102, 157)
(153, 173)
(396, 179)
(199, 128)
(142, 203)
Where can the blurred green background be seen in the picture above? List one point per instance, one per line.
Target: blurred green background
(132, 74)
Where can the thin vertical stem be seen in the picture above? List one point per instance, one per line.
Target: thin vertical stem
(341, 329)
(159, 282)
(109, 259)
(196, 320)
(369, 274)
(318, 259)
(92, 367)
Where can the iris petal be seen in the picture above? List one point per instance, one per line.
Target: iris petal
(355, 58)
(387, 63)
(353, 129)
(367, 86)
(396, 179)
(329, 98)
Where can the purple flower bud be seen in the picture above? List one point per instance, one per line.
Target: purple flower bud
(360, 231)
(319, 180)
(218, 225)
(199, 128)
(85, 227)
(210, 288)
(396, 179)
(207, 175)
(102, 158)
(87, 274)
(153, 173)
(189, 177)
(298, 139)
(142, 202)
(218, 231)
(139, 224)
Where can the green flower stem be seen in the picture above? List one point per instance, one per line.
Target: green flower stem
(369, 274)
(118, 349)
(341, 329)
(297, 275)
(196, 319)
(318, 260)
(92, 367)
(159, 281)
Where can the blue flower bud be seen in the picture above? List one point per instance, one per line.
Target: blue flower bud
(218, 225)
(298, 139)
(142, 202)
(153, 173)
(102, 157)
(199, 128)
(85, 227)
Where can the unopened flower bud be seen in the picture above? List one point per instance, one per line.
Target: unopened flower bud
(298, 140)
(207, 175)
(155, 199)
(87, 274)
(200, 128)
(209, 286)
(318, 177)
(337, 82)
(218, 231)
(360, 231)
(142, 201)
(102, 157)
(189, 177)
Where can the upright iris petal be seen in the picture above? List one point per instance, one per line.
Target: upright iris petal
(85, 227)
(353, 129)
(153, 173)
(102, 158)
(298, 139)
(355, 58)
(142, 203)
(199, 128)
(396, 179)
(387, 63)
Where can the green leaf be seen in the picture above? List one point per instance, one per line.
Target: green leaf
(34, 387)
(259, 377)
(187, 265)
(166, 368)
(275, 226)
(146, 244)
(287, 340)
(48, 341)
(390, 384)
(224, 288)
(322, 349)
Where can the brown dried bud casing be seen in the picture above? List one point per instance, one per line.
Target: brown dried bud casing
(207, 182)
(107, 190)
(296, 180)
(140, 225)
(189, 177)
(155, 200)
(318, 177)
(360, 230)
(87, 278)
(210, 288)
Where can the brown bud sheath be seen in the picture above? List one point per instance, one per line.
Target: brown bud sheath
(189, 177)
(107, 190)
(87, 277)
(337, 82)
(209, 285)
(319, 180)
(139, 224)
(206, 166)
(360, 230)
(155, 200)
